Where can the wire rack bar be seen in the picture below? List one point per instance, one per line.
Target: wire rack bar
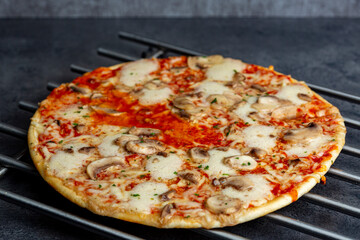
(28, 106)
(334, 93)
(7, 161)
(78, 69)
(339, 174)
(115, 55)
(11, 130)
(304, 227)
(218, 234)
(335, 205)
(3, 171)
(157, 44)
(352, 123)
(64, 216)
(51, 86)
(351, 151)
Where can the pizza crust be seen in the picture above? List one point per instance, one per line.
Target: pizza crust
(207, 221)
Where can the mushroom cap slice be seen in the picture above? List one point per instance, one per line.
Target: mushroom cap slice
(108, 111)
(99, 165)
(78, 89)
(204, 62)
(183, 102)
(304, 97)
(257, 153)
(303, 135)
(190, 176)
(121, 141)
(266, 103)
(146, 146)
(199, 155)
(86, 150)
(167, 210)
(285, 112)
(240, 162)
(148, 132)
(240, 183)
(166, 196)
(221, 204)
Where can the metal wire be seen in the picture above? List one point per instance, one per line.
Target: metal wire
(115, 55)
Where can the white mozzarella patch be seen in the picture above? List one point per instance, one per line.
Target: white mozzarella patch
(154, 96)
(108, 148)
(257, 195)
(226, 70)
(164, 167)
(146, 194)
(259, 137)
(216, 165)
(209, 88)
(290, 92)
(243, 111)
(138, 72)
(65, 164)
(74, 112)
(120, 192)
(303, 150)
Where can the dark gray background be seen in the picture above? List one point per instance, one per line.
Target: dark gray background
(325, 52)
(179, 8)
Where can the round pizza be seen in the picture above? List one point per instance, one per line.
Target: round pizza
(184, 142)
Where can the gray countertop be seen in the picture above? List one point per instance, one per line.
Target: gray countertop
(325, 52)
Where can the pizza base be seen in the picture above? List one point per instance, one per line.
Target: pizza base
(208, 221)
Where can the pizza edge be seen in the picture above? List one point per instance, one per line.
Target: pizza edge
(210, 220)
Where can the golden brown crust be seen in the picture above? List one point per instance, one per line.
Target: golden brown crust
(208, 221)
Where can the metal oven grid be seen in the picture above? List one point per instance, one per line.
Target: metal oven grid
(160, 49)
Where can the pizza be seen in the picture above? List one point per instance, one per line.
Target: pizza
(184, 142)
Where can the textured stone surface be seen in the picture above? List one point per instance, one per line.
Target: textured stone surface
(34, 52)
(180, 8)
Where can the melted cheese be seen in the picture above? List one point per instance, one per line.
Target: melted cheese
(209, 88)
(226, 70)
(243, 110)
(108, 148)
(146, 194)
(155, 96)
(290, 92)
(259, 137)
(138, 72)
(216, 166)
(257, 195)
(303, 150)
(65, 164)
(74, 112)
(164, 167)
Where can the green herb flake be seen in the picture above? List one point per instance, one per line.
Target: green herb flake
(214, 101)
(175, 172)
(225, 174)
(216, 126)
(235, 71)
(81, 107)
(246, 123)
(152, 134)
(113, 185)
(75, 124)
(333, 140)
(122, 170)
(200, 166)
(243, 164)
(249, 163)
(135, 195)
(142, 176)
(155, 194)
(187, 216)
(196, 194)
(100, 186)
(147, 157)
(207, 167)
(85, 116)
(152, 198)
(61, 141)
(172, 151)
(77, 112)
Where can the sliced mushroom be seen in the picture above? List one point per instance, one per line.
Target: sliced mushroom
(218, 100)
(239, 78)
(166, 196)
(266, 103)
(68, 150)
(121, 141)
(258, 87)
(96, 95)
(223, 149)
(167, 210)
(80, 128)
(294, 162)
(303, 135)
(164, 154)
(204, 62)
(221, 204)
(190, 176)
(87, 150)
(256, 116)
(239, 183)
(97, 166)
(154, 84)
(105, 110)
(183, 102)
(215, 182)
(199, 155)
(146, 146)
(285, 112)
(182, 113)
(78, 89)
(147, 132)
(240, 162)
(257, 153)
(304, 97)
